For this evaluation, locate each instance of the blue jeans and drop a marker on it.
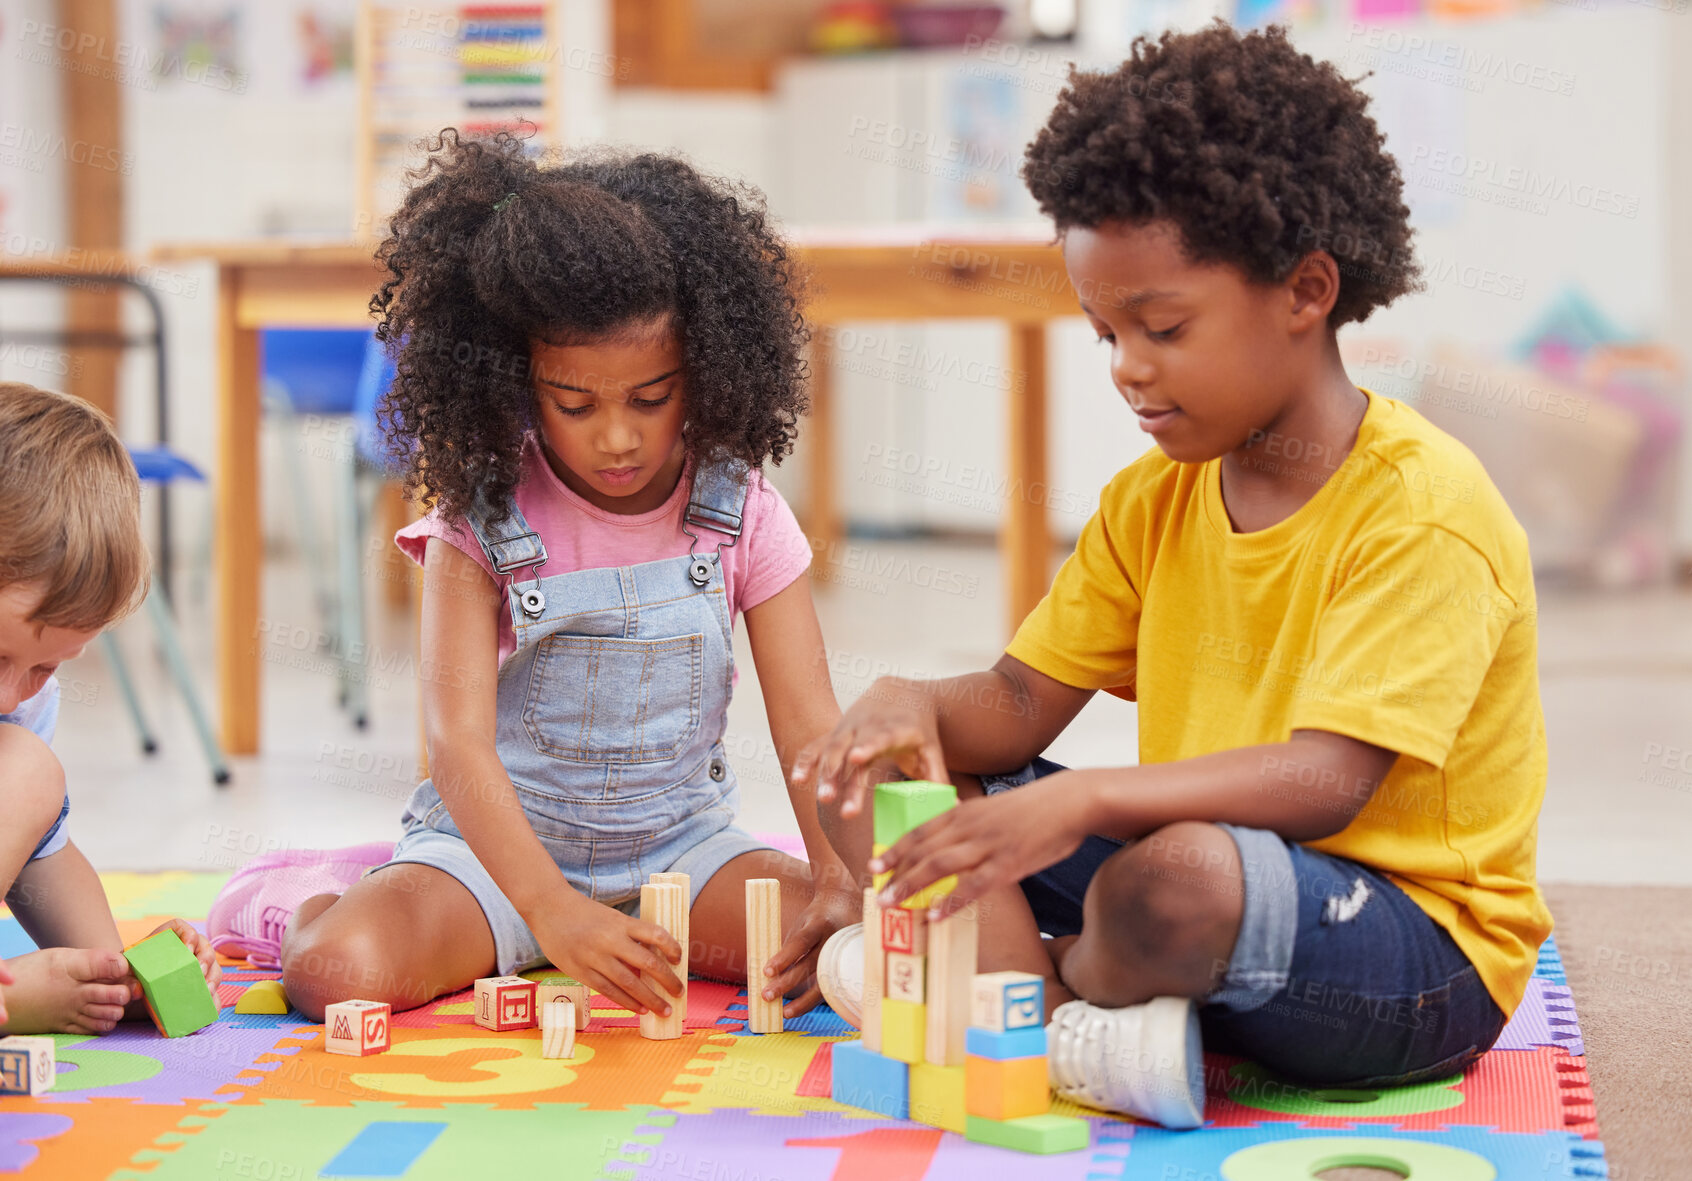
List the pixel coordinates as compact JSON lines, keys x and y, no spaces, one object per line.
{"x":1337,"y":977}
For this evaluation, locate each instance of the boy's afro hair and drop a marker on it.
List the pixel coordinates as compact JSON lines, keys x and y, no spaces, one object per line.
{"x":1258,"y":153}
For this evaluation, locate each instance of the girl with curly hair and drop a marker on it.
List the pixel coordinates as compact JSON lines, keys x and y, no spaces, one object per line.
{"x":1323,"y":857}
{"x":594,"y":361}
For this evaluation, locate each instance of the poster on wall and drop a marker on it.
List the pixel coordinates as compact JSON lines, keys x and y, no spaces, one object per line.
{"x":324,"y":35}
{"x":199,"y":46}
{"x":976,"y":174}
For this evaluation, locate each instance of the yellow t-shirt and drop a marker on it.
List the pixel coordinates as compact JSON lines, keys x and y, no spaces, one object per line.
{"x":1396,"y":606}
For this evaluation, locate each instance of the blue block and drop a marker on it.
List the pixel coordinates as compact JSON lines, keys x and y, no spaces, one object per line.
{"x":1013,"y":1043}
{"x":384,"y":1148}
{"x":874,"y":1082}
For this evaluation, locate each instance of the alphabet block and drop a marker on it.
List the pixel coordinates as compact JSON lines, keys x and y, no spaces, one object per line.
{"x":1006,"y":1088}
{"x":356,"y":1027}
{"x":1034,"y":1133}
{"x":1003,"y":1001}
{"x":905,"y":976}
{"x":902,"y":1030}
{"x":505,"y":1002}
{"x":27,"y":1064}
{"x":558,"y":1028}
{"x":763,"y":940}
{"x":665,"y":903}
{"x":938,"y":1096}
{"x":178,"y":998}
{"x":904,"y":930}
{"x":554,"y":986}
{"x":952,"y":945}
{"x":863,"y":1078}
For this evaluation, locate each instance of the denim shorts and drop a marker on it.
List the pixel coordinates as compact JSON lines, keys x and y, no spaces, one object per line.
{"x":515,"y":948}
{"x":1337,"y":977}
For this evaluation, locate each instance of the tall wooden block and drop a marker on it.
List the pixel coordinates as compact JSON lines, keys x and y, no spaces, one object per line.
{"x":1005,"y":1001}
{"x":356,"y":1027}
{"x":902,"y":1026}
{"x":558,"y":1028}
{"x":685,"y":935}
{"x":763,"y":940}
{"x":1007,"y":1088}
{"x":905,"y":976}
{"x":557,"y":986}
{"x":874,"y":968}
{"x":904,"y":930}
{"x":665,"y":903}
{"x":952,"y":947}
{"x":505,"y":1002}
{"x":27,"y":1064}
{"x":939,"y":1096}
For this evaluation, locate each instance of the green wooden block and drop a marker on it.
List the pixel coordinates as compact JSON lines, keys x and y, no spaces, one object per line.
{"x":1032,"y":1133}
{"x":178,"y":996}
{"x":900,"y":807}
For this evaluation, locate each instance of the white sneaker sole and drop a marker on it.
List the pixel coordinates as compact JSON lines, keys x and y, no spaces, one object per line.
{"x":835,"y":982}
{"x":1145,"y":1060}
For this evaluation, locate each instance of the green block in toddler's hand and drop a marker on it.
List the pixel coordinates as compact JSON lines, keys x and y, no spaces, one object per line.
{"x":902,"y":806}
{"x":178,"y":996}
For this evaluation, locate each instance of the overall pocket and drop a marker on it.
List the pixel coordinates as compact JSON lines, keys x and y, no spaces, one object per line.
{"x":601,"y":699}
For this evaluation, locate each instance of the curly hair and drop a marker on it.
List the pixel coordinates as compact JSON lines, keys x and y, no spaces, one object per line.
{"x":491,"y":250}
{"x":1259,"y":154}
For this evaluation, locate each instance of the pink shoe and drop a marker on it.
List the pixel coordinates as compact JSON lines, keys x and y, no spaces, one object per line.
{"x":254,"y":907}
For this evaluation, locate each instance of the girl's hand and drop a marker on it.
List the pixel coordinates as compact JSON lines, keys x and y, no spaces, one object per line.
{"x":892,"y":720}
{"x":624,"y":958}
{"x":199,"y":945}
{"x":795,"y":962}
{"x":991,"y":842}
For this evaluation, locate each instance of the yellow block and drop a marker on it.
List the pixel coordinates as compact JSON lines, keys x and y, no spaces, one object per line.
{"x":937,"y":1096}
{"x":1007,"y":1088}
{"x":923,"y":898}
{"x":904,"y":1028}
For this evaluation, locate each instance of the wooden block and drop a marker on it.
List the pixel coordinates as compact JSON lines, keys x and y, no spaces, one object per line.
{"x":923,"y":898}
{"x":902,"y":1025}
{"x":554,"y":986}
{"x":665,"y":903}
{"x":178,"y":998}
{"x":558,"y":1028}
{"x":1034,"y":1133}
{"x":862,"y":1078}
{"x":685,"y":935}
{"x":1006,"y":1088}
{"x":1004,"y":1001}
{"x":904,"y":976}
{"x":952,"y":946}
{"x":763,"y":940}
{"x":1015,"y":1043}
{"x":874,"y":971}
{"x":938,"y":1096}
{"x":902,"y":806}
{"x":27,"y":1064}
{"x":356,"y":1027}
{"x":505,"y":1002}
{"x":904,"y":930}
{"x":263,"y":996}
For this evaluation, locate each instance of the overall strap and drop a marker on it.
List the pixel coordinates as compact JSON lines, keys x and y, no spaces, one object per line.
{"x":716,"y":502}
{"x":511,"y":546}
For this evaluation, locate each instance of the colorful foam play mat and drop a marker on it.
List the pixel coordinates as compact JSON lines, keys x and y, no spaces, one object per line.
{"x":257,"y":1097}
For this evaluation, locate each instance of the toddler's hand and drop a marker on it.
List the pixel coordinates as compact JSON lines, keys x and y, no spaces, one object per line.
{"x":199,"y":945}
{"x":795,"y":962}
{"x":612,"y":953}
{"x":890,"y":721}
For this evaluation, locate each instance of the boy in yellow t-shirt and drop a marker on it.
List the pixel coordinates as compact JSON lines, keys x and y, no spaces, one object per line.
{"x":1325,"y":857}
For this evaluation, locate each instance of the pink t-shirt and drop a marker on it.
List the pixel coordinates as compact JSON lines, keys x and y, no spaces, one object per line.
{"x":771,"y":553}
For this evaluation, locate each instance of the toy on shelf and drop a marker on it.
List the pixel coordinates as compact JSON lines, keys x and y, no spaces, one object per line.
{"x":357,"y":1027}
{"x":178,"y":998}
{"x":263,"y":996}
{"x":951,"y":1048}
{"x":558,"y":1028}
{"x":27,"y":1065}
{"x":763,"y":940}
{"x":505,"y":1002}
{"x":665,"y":903}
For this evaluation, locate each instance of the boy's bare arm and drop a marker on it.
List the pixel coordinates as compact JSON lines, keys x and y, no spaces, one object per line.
{"x":59,"y":902}
{"x":980,"y":723}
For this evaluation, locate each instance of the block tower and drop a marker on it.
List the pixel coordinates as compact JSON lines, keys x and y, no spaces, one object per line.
{"x":942,"y":1045}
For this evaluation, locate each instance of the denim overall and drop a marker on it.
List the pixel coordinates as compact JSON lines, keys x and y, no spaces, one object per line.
{"x":611,"y":715}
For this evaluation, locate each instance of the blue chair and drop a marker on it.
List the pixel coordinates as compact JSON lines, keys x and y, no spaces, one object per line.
{"x":161,"y":466}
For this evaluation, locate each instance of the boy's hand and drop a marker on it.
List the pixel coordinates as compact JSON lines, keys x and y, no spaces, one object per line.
{"x":612,"y":953}
{"x":891,"y":720}
{"x":199,"y":945}
{"x":795,"y":962}
{"x":991,"y":842}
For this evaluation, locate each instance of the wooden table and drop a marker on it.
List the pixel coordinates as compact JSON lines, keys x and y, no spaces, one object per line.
{"x":1016,"y":277}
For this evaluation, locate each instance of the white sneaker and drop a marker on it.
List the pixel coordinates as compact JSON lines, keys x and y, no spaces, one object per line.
{"x":840,"y":974}
{"x":1145,"y":1060}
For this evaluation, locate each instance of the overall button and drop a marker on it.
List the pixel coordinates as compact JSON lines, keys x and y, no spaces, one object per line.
{"x":718,"y":770}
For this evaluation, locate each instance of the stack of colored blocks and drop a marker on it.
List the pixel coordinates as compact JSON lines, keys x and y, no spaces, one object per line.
{"x":958,"y":1051}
